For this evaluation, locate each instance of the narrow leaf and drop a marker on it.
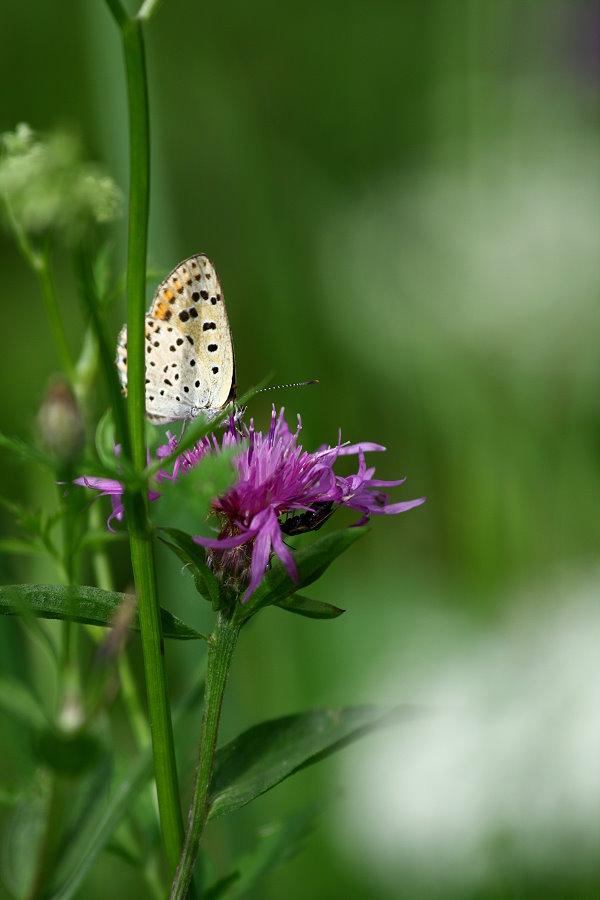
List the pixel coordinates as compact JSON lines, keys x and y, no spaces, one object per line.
{"x":67,"y":753}
{"x":18,"y":701}
{"x":25,"y":452}
{"x":266,"y":754}
{"x":278,"y":843}
{"x":97,"y":540}
{"x":86,"y":804}
{"x":23,"y":832}
{"x":193,"y":556}
{"x":311,"y":561}
{"x":196,"y":487}
{"x":87,"y":605}
{"x":105,"y":439}
{"x":312,"y":609}
{"x":79,"y":857}
{"x":220,"y":887}
{"x":199,"y":428}
{"x":18,"y":547}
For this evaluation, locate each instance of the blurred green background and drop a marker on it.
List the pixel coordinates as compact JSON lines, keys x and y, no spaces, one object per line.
{"x":401,"y":199}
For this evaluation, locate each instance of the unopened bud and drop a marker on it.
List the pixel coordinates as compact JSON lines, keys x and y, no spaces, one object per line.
{"x":60,"y":421}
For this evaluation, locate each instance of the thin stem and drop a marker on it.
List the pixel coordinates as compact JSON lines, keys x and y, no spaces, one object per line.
{"x":119,"y":12}
{"x":148,"y":9}
{"x":40,"y":265}
{"x":100,"y":561}
{"x":69,"y":641}
{"x":220,"y":653}
{"x":44,"y":275}
{"x":104,"y":579}
{"x":87,"y":289}
{"x":31,"y":257}
{"x":136,"y":500}
{"x":50,"y":839}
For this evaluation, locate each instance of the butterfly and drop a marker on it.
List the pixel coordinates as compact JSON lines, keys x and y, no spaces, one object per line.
{"x":190,"y":366}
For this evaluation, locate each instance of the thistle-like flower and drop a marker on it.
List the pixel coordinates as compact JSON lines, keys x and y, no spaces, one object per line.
{"x":279,"y":489}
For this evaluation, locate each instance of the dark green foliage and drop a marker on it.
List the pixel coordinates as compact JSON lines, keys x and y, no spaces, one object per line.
{"x":268,"y":753}
{"x":86,"y":605}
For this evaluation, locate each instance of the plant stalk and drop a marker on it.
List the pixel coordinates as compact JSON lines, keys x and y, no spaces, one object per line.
{"x":39,"y":262}
{"x":44,"y":275}
{"x":136,"y":500}
{"x":220,"y":652}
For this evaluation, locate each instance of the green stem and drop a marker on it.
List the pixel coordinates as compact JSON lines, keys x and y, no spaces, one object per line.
{"x":220,"y":653}
{"x":136,"y":501}
{"x":50,"y":840}
{"x":40,"y":264}
{"x":139,"y":202}
{"x":44,"y":275}
{"x":119,"y":12}
{"x":88,"y":291}
{"x":104,"y":579}
{"x":148,"y":9}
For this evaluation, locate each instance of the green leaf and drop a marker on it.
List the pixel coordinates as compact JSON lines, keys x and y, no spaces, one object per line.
{"x":312,"y":609}
{"x":67,"y":753}
{"x":22,"y":838}
{"x":111,"y":465}
{"x":80,"y":855}
{"x":199,"y":485}
{"x":220,"y":887}
{"x":25,"y":452}
{"x":18,"y":547}
{"x":266,"y":754}
{"x":18,"y":701}
{"x":311,"y":561}
{"x":79,"y":803}
{"x":278,"y":843}
{"x":194,"y":557}
{"x":199,"y":428}
{"x":97,"y":540}
{"x":105,"y":439}
{"x":87,"y":605}
{"x":37,"y":523}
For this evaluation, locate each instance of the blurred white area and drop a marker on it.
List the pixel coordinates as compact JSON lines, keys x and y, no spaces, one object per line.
{"x":493,"y":253}
{"x":505,"y":770}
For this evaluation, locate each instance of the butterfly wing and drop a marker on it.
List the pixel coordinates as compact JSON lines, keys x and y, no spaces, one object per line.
{"x":190,"y":367}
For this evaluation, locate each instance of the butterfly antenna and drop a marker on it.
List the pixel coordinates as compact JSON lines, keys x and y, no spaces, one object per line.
{"x":277,"y":387}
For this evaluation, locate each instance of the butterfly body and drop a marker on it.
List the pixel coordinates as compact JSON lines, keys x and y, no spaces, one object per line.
{"x":190,"y":366}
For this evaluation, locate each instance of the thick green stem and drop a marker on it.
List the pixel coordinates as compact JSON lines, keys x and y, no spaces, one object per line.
{"x":220,"y":653}
{"x":139,"y":202}
{"x":136,"y":501}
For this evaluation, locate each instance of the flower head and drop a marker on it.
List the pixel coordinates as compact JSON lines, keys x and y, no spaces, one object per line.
{"x":277,"y":483}
{"x":48,"y":185}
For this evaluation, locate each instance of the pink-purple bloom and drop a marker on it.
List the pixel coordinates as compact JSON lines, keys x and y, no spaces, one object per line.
{"x":276,"y":479}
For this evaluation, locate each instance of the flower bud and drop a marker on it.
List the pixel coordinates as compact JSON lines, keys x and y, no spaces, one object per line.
{"x":60,"y":421}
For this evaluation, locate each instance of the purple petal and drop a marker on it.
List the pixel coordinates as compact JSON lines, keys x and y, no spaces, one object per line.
{"x":364,"y":446}
{"x":394,"y":508}
{"x":117,"y":513}
{"x":225,"y":543}
{"x":362,"y":521}
{"x":282,"y":551}
{"x":108,"y":485}
{"x":375,"y":483}
{"x":260,"y":558}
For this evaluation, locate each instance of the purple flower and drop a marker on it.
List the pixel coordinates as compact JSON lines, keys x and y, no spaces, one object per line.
{"x":276,"y":480}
